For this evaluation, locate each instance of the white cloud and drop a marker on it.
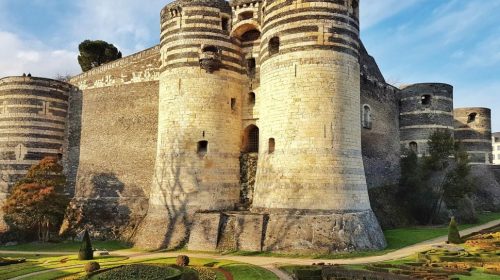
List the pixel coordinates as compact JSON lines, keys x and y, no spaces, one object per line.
{"x":375,"y":11}
{"x":21,"y":55}
{"x":126,"y":23}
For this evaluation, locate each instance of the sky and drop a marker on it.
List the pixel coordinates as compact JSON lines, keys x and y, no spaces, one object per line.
{"x":450,"y":41}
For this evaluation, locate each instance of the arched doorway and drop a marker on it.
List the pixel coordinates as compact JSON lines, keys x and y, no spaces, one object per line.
{"x":251,"y":139}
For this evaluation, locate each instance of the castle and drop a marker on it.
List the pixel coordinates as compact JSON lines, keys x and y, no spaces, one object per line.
{"x":253,"y":125}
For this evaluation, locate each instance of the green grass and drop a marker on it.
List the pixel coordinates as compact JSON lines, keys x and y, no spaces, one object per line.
{"x":238,"y":270}
{"x":66,"y":246}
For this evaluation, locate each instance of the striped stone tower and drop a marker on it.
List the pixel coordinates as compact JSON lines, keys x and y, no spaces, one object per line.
{"x":33,"y":117}
{"x":310,"y":177}
{"x":199,"y":133}
{"x":473,"y":129}
{"x":424,"y":109}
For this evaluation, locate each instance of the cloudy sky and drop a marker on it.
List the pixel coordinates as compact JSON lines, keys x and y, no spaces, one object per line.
{"x":450,"y":41}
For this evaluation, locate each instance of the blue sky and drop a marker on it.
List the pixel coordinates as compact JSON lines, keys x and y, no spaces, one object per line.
{"x":450,"y":41}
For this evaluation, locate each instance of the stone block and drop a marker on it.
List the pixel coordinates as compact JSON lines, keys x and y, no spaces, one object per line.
{"x":204,"y":232}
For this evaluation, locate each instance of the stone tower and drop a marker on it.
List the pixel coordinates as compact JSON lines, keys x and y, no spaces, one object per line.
{"x":424,"y":109}
{"x":197,"y":167}
{"x":310,"y":176}
{"x":33,"y":119}
{"x":473,"y":129}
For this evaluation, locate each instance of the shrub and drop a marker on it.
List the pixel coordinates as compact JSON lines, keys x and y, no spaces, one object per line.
{"x":182,"y":260}
{"x":453,"y":233}
{"x":140,"y":271}
{"x":86,"y":252}
{"x":92,"y":267}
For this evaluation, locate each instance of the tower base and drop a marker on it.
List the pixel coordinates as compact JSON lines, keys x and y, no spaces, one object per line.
{"x":323,"y":233}
{"x":287,"y":233}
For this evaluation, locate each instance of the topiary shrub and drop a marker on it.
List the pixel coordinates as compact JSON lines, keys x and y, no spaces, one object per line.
{"x":453,"y":233}
{"x":92,"y":267}
{"x":182,"y":260}
{"x":86,"y":252}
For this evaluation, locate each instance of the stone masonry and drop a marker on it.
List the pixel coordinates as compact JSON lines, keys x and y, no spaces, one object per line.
{"x":253,"y":125}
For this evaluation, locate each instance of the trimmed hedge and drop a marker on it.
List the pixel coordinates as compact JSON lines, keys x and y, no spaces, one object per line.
{"x":140,"y":271}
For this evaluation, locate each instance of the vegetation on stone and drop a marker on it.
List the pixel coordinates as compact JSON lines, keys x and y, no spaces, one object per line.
{"x":37,"y":202}
{"x":96,"y":53}
{"x":453,"y":233}
{"x":86,"y":252}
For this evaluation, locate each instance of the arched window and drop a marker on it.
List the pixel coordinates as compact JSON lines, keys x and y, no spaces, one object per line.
{"x":426,"y":100}
{"x":366,"y":118}
{"x":251,"y":98}
{"x":414,"y":147}
{"x":472,"y":117}
{"x":250,"y":35}
{"x":274,"y":45}
{"x":251,"y":140}
{"x":272,"y":145}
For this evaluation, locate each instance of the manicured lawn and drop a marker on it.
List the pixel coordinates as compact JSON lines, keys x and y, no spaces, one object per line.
{"x":66,"y":246}
{"x":403,"y":237}
{"x":66,"y":269}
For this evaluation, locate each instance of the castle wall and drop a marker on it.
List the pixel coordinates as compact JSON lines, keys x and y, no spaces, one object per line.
{"x":33,"y":115}
{"x":380,"y":135}
{"x":473,"y":129}
{"x":424,"y":109}
{"x":113,"y":144}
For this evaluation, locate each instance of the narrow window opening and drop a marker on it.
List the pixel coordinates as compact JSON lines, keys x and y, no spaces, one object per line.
{"x":472,"y":117}
{"x":251,"y":98}
{"x":225,"y":24}
{"x":245,"y":15}
{"x":272,"y":145}
{"x":367,"y":117}
{"x":414,"y":147}
{"x":426,"y":100}
{"x":251,"y":67}
{"x":203,"y":134}
{"x":210,"y":48}
{"x":202,"y":148}
{"x":233,"y":104}
{"x":274,"y":45}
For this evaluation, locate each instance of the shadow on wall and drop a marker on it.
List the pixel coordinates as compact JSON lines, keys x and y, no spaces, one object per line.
{"x":168,"y":215}
{"x":72,"y":160}
{"x":101,"y":208}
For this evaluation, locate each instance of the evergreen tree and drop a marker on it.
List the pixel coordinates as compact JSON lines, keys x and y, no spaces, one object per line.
{"x":96,"y":53}
{"x":86,"y":252}
{"x":453,"y":233}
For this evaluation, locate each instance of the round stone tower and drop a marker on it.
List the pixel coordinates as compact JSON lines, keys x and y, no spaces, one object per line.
{"x":33,"y":118}
{"x":424,"y":109}
{"x":199,"y":133}
{"x":310,"y":177}
{"x":473,"y":129}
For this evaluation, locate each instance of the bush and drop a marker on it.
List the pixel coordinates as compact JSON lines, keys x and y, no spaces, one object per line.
{"x":182,"y":260}
{"x":453,"y":233}
{"x":86,"y":252}
{"x":92,"y":267}
{"x":140,"y":271}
